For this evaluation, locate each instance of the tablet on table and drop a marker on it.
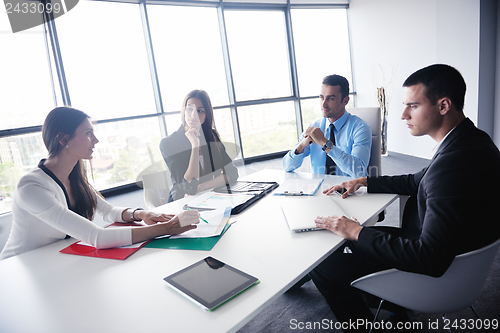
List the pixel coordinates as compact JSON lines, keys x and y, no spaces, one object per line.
{"x":210,"y":282}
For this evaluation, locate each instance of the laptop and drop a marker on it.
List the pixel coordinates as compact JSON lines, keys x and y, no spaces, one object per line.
{"x":300,"y":212}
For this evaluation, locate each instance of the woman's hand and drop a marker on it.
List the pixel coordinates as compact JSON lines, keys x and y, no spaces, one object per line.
{"x":340,"y":225}
{"x":193,"y":135}
{"x":164,"y":224}
{"x":182,"y":222}
{"x":152,"y":218}
{"x":351,"y":186}
{"x":187,"y":217}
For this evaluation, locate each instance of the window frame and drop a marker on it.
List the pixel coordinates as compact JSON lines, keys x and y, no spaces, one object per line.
{"x":62,"y":96}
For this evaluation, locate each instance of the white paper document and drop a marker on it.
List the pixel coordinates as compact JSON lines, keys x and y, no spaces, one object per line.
{"x":216,"y":219}
{"x":212,"y":200}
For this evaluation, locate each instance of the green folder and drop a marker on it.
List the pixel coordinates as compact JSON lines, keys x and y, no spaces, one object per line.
{"x":200,"y":244}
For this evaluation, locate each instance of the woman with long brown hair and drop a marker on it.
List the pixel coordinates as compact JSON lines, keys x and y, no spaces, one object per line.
{"x":55,"y":199}
{"x":194,"y":154}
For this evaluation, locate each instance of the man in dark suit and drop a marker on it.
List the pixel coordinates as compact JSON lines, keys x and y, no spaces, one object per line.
{"x":451,"y":208}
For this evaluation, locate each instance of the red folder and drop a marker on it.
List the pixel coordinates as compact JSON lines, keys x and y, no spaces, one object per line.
{"x":114,"y":253}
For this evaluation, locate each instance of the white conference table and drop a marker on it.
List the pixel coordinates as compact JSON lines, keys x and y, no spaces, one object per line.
{"x":47,"y":291}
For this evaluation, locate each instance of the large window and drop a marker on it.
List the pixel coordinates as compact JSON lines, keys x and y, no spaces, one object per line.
{"x":125,"y":149}
{"x":25,"y":99}
{"x":129,"y":67}
{"x":321,"y":47}
{"x":18,"y":155}
{"x":261,"y":70}
{"x":25,"y":87}
{"x":259,"y":54}
{"x":105,"y":60}
{"x":267,"y":128}
{"x":188,"y":53}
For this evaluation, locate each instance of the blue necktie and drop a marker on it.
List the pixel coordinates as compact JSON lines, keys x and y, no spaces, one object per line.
{"x":330,"y":164}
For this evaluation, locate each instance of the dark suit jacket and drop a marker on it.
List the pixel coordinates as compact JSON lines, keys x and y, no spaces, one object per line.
{"x":452,"y":208}
{"x":176,"y":151}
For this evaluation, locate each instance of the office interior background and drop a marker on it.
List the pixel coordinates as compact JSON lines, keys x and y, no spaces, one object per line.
{"x":129,"y":64}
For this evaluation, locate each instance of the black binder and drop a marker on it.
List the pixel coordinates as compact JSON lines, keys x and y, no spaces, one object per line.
{"x":258,"y":189}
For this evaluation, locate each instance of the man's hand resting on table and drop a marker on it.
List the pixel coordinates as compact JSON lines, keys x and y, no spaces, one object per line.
{"x":340,"y":225}
{"x":351,"y":186}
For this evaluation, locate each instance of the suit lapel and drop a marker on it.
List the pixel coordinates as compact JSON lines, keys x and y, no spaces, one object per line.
{"x":458,"y":131}
{"x":413,"y":230}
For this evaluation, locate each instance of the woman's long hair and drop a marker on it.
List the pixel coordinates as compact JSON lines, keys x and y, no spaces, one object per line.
{"x":64,"y":121}
{"x":208,"y":126}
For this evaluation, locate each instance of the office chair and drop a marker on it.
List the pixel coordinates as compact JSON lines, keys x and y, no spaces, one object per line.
{"x":156,"y":182}
{"x":372,"y":117}
{"x":457,"y":289}
{"x":156,"y":188}
{"x":5,"y":226}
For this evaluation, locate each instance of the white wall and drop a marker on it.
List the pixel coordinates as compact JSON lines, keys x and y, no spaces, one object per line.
{"x":413,"y":34}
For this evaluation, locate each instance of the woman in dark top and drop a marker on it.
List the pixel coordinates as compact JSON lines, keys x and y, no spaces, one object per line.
{"x":194,"y":154}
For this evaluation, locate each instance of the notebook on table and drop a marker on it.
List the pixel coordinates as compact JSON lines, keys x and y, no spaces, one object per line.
{"x":300,"y":212}
{"x":255,"y":191}
{"x":246,"y":186}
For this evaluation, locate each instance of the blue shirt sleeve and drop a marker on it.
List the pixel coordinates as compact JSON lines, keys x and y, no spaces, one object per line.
{"x":292,"y":161}
{"x":353,"y":159}
{"x":351,"y":152}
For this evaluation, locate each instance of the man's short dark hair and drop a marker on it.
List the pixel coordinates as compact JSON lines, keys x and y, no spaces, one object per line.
{"x":337,"y":80}
{"x":440,"y":81}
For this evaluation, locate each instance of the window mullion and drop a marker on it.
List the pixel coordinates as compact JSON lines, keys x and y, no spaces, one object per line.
{"x":293,"y":69}
{"x":152,"y":66}
{"x":58,"y":62}
{"x":229,"y":77}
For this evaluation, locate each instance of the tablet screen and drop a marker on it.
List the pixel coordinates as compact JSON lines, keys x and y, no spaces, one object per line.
{"x":210,"y":282}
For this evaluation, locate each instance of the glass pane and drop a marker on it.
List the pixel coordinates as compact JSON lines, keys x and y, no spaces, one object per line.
{"x":267,"y":128}
{"x":224,"y":124}
{"x":125,"y":149}
{"x":258,"y":52}
{"x":26,"y":92}
{"x":311,"y":111}
{"x":321,"y":47}
{"x":18,"y":155}
{"x":188,"y":53}
{"x":173,"y":122}
{"x":105,"y":60}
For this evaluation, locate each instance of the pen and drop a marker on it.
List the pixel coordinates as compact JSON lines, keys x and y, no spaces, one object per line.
{"x":201,"y":218}
{"x":200,"y":209}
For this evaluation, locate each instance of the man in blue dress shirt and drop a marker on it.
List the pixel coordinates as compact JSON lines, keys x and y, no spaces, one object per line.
{"x":347,"y":152}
